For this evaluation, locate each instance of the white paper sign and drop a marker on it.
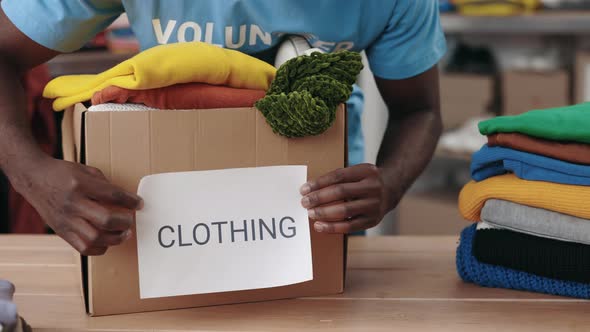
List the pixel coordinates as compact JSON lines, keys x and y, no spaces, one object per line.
{"x":226,"y":230}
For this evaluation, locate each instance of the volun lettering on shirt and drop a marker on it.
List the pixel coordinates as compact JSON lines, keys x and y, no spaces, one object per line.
{"x":234,"y":37}
{"x":248,"y":230}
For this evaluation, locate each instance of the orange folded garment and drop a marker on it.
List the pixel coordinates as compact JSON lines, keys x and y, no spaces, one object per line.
{"x":181,"y":96}
{"x":574,"y":152}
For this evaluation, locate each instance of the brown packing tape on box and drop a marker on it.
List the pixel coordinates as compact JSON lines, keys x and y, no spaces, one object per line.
{"x":126,"y":146}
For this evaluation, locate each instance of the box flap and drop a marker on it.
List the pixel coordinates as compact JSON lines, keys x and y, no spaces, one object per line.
{"x":71,"y":127}
{"x":67,"y":135}
{"x":77,"y":116}
{"x":149,"y":142}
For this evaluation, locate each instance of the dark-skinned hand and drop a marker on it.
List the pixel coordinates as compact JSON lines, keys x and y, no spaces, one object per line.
{"x":346,"y":200}
{"x":80,"y":204}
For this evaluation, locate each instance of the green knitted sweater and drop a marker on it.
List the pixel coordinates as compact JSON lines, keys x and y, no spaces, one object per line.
{"x":303,"y":98}
{"x":568,"y":123}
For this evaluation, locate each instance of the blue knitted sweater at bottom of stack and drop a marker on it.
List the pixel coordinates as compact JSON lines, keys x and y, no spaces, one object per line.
{"x":470,"y":270}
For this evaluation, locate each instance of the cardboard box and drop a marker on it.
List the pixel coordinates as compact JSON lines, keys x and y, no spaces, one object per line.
{"x":126,"y":146}
{"x":464,"y":96}
{"x":526,"y":90}
{"x":582,"y":77}
{"x":432,"y":213}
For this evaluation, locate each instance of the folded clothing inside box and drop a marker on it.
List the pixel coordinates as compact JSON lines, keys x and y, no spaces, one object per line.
{"x":300,"y":99}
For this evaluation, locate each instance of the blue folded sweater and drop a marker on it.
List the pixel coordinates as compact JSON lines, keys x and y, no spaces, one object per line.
{"x":492,"y":161}
{"x":470,"y":270}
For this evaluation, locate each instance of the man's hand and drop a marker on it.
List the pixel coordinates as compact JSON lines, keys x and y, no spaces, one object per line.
{"x":75,"y":200}
{"x":79,"y":204}
{"x":346,"y":200}
{"x":358,"y":197}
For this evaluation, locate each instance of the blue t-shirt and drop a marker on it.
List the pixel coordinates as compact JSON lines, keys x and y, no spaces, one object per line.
{"x":402,"y":38}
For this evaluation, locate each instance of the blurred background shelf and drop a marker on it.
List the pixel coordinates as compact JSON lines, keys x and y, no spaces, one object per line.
{"x":552,"y":22}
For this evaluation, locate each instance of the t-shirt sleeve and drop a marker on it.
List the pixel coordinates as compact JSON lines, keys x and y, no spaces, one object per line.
{"x":61,"y":25}
{"x":411,"y":43}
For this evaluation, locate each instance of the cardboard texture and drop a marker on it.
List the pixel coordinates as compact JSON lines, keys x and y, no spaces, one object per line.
{"x":525,"y":90}
{"x":433,"y":213}
{"x":582,"y":77}
{"x":463,"y":97}
{"x":126,"y":146}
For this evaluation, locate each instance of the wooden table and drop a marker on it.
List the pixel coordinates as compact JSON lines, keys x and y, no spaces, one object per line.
{"x":393,"y":283}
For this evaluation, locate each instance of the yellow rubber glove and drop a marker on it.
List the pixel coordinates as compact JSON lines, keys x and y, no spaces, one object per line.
{"x":166,"y":65}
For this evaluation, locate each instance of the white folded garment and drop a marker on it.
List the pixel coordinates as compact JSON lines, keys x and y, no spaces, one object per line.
{"x":112,"y":107}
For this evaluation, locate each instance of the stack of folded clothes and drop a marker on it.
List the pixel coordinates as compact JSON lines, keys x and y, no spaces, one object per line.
{"x":177,"y":69}
{"x":298,"y":99}
{"x":529,"y":195}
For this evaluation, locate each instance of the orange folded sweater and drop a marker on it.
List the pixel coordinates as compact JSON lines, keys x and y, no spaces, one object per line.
{"x":181,"y":96}
{"x":567,"y":199}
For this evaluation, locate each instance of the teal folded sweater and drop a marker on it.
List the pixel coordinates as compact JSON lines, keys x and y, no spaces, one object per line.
{"x":568,"y":123}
